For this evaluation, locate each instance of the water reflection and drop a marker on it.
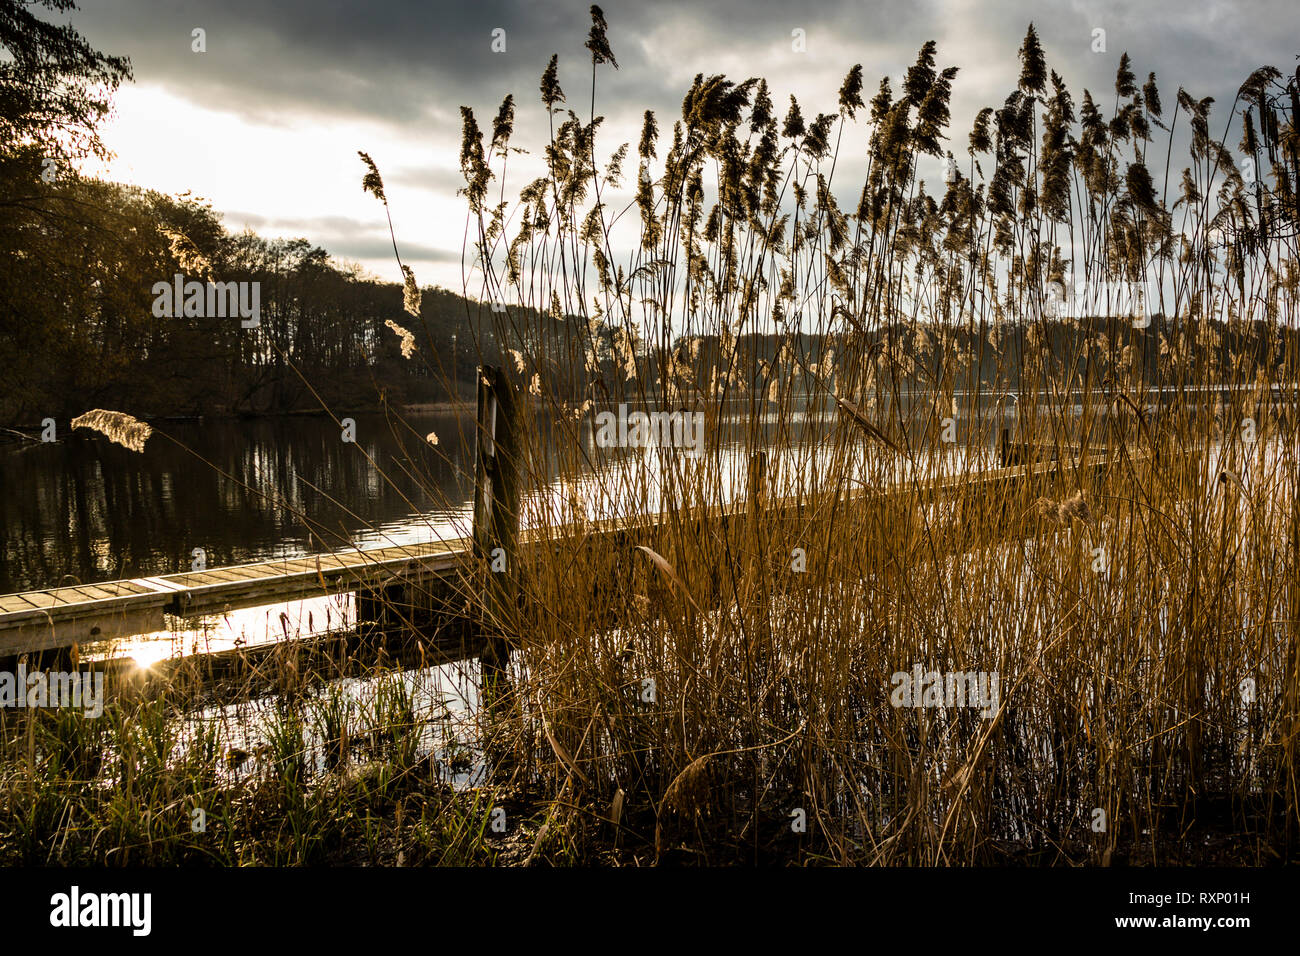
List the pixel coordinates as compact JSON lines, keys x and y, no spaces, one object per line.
{"x":85,"y":510}
{"x":82,"y":509}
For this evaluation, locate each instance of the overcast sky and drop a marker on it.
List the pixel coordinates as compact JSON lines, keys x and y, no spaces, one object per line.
{"x":267,"y":122}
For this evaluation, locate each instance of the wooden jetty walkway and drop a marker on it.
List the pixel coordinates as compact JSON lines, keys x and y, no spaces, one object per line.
{"x":61,"y":617}
{"x":58,"y":618}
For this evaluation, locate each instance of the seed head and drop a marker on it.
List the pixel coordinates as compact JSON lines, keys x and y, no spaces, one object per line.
{"x":116,"y":426}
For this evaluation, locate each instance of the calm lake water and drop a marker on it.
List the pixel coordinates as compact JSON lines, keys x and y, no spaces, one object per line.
{"x":83,"y":509}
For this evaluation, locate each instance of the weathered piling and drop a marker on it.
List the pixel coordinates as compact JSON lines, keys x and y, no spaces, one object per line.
{"x":496,"y":512}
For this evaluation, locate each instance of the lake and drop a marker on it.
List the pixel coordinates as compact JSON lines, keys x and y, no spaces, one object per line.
{"x":83,"y":509}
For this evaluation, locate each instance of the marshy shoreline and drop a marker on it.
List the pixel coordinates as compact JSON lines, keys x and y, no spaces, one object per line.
{"x":1079,"y":533}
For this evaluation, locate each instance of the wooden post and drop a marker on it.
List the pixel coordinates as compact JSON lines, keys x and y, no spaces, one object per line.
{"x":496,"y":510}
{"x":1006,"y":452}
{"x":757,"y":479}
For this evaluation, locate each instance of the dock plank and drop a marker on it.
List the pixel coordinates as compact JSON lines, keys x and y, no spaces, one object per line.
{"x":42,"y":599}
{"x":14,"y":602}
{"x":297,"y":566}
{"x":200,"y":579}
{"x":126,"y":588}
{"x":93,"y":592}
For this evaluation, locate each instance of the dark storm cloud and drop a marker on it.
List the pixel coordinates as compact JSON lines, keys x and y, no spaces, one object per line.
{"x":408,"y":62}
{"x":409,"y":65}
{"x":380,"y":247}
{"x":344,"y":237}
{"x":1207,"y":47}
{"x":438,"y":179}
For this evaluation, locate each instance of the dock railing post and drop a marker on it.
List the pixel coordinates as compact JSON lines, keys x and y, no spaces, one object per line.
{"x":496,"y":511}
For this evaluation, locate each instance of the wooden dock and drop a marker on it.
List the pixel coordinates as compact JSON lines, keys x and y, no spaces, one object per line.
{"x":60,"y":617}
{"x":448,"y":578}
{"x":57,"y":618}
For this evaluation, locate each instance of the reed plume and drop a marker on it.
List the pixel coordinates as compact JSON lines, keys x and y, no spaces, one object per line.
{"x":407,"y":339}
{"x":116,"y":426}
